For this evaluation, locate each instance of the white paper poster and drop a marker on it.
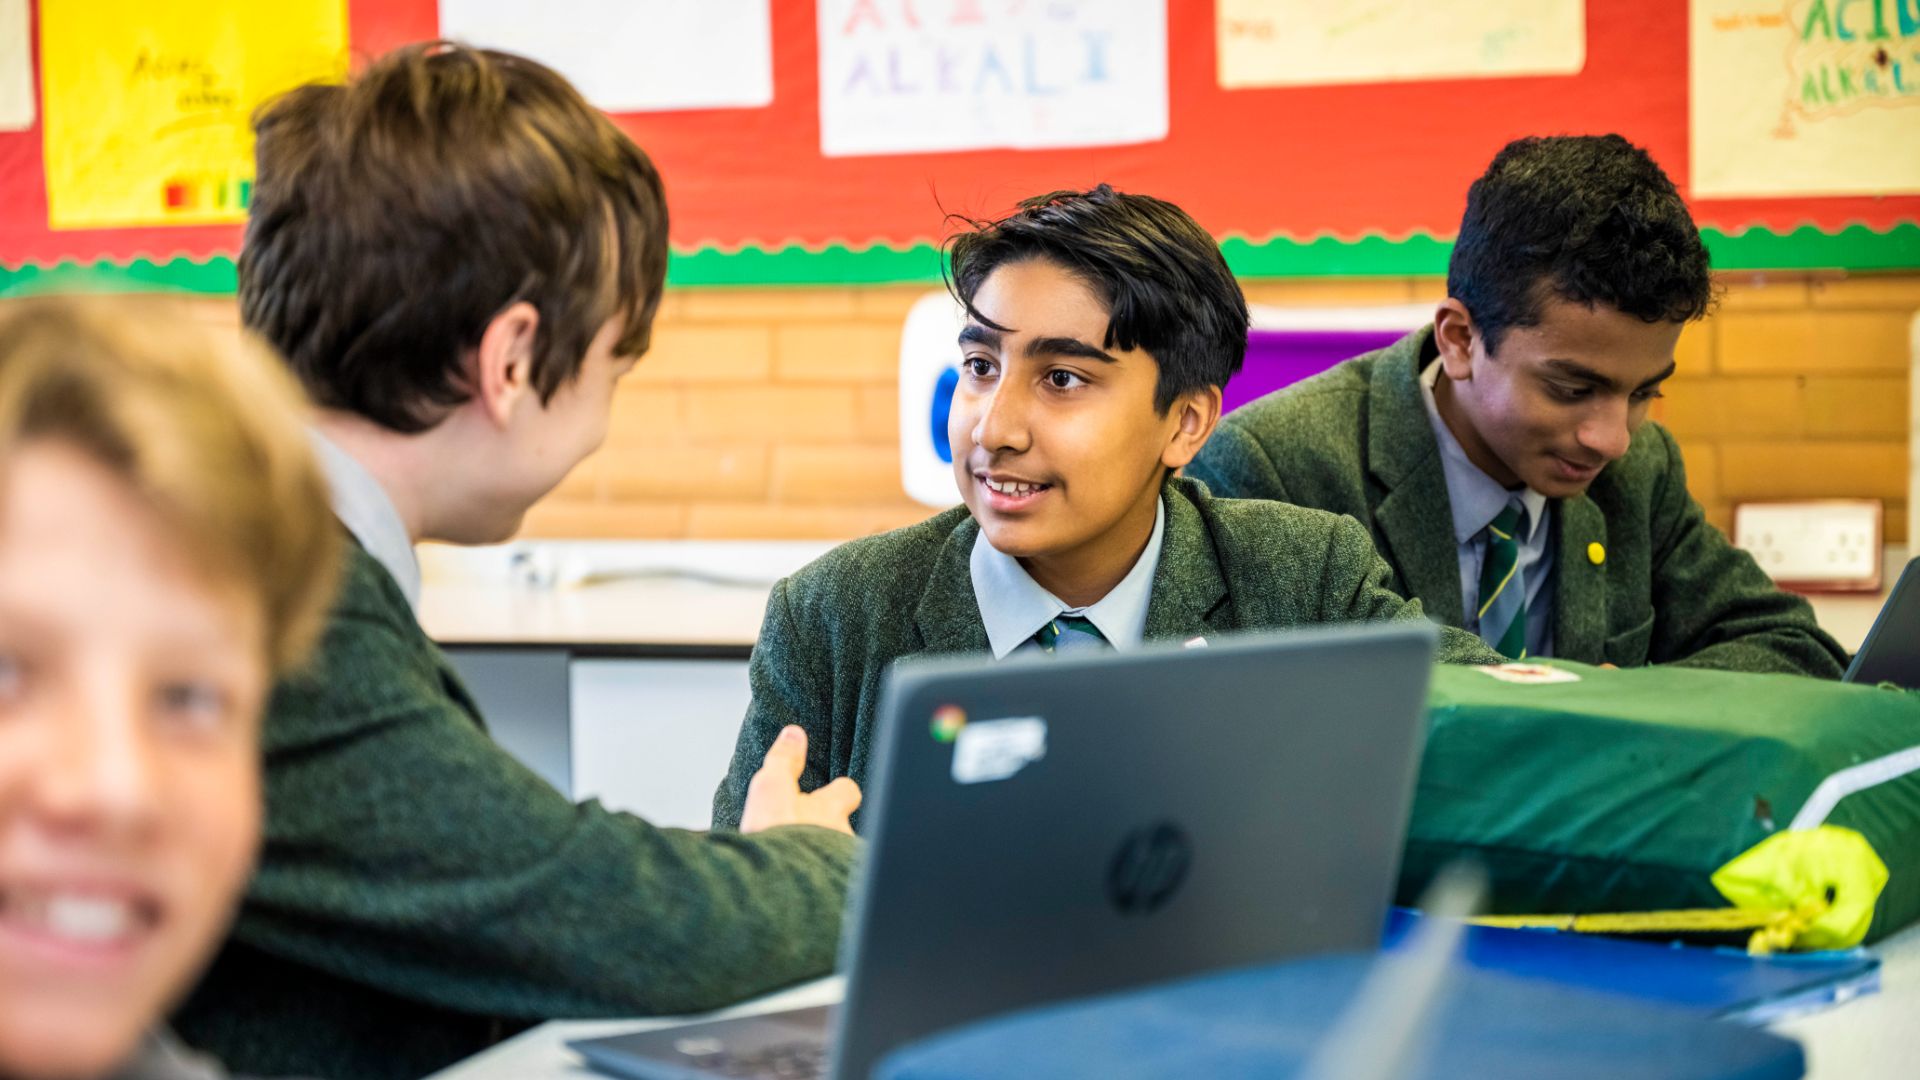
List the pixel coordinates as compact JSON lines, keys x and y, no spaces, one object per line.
{"x":1805,"y":97}
{"x":1311,"y":42}
{"x":633,"y":55}
{"x":919,"y":76}
{"x":16,"y":67}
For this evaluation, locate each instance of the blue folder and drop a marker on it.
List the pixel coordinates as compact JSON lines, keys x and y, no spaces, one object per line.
{"x":1720,"y":982}
{"x":1263,"y":1023}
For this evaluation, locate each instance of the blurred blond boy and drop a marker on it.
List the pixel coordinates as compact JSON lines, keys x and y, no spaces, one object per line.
{"x":166,"y":552}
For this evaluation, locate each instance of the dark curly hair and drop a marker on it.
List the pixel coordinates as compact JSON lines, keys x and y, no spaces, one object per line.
{"x":1166,"y":286}
{"x":1587,"y":218}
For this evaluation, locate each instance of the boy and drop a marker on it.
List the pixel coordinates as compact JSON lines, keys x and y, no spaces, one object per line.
{"x":460,"y":257}
{"x":1501,"y":457}
{"x":1100,"y":329}
{"x":164,"y":553}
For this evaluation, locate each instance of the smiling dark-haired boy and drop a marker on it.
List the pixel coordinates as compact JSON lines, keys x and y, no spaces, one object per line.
{"x":1501,"y":456}
{"x":1101,"y":327}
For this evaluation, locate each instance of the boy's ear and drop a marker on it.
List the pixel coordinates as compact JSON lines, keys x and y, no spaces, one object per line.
{"x":1198,"y":412}
{"x":503,"y":362}
{"x":1453,"y":335}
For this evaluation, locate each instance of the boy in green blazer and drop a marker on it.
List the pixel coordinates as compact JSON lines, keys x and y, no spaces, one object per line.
{"x":1501,"y":457}
{"x":1100,"y":328}
{"x":459,"y":258}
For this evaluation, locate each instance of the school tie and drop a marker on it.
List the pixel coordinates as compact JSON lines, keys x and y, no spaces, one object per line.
{"x":1070,"y":633}
{"x":1503,"y":589}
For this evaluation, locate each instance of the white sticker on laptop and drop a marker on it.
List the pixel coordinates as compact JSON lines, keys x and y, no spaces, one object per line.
{"x":988,"y":750}
{"x":1529,"y":673}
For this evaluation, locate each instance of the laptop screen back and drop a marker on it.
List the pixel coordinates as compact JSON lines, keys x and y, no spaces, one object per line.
{"x":1051,"y":828}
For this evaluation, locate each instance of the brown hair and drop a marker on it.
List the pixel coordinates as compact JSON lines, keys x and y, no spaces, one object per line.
{"x":395,"y":216}
{"x":208,"y":431}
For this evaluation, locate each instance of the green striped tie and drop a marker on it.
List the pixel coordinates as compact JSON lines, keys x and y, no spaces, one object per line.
{"x":1503,"y":589}
{"x":1049,"y":635}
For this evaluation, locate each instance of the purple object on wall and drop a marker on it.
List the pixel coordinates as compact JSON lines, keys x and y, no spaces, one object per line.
{"x":1277,"y":358}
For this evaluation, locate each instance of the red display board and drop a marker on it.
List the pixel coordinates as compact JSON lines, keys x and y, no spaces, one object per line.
{"x":1340,"y":179}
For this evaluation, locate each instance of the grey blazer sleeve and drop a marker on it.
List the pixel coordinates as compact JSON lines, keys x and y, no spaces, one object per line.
{"x":1714,"y":607}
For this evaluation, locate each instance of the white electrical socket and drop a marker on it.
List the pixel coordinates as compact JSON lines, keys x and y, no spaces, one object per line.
{"x":1829,"y":544}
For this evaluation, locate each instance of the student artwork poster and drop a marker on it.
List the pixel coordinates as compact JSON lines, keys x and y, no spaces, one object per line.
{"x":901,"y":77}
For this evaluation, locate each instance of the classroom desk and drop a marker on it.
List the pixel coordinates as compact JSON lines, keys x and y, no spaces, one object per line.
{"x":628,"y":687}
{"x":655,"y":625}
{"x":631,"y":690}
{"x":680,"y":598}
{"x":1870,"y":1038}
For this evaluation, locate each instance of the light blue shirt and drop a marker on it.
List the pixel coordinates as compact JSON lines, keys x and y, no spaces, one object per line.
{"x":1014,"y":607}
{"x":1477,"y":499}
{"x":364,"y":507}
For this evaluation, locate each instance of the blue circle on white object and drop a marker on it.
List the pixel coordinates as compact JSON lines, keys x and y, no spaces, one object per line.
{"x":942,"y":405}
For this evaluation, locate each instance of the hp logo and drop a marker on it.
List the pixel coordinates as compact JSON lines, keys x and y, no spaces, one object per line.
{"x":1149,"y":868}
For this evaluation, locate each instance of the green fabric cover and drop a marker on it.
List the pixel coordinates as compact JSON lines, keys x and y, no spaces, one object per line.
{"x":1626,"y":790}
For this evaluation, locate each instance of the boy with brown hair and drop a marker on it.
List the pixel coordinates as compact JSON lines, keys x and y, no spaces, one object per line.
{"x":460,"y":258}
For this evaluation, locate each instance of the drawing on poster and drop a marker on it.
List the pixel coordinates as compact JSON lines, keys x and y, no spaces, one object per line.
{"x":1805,"y":97}
{"x":1312,"y":43}
{"x":148,"y":106}
{"x":920,"y":76}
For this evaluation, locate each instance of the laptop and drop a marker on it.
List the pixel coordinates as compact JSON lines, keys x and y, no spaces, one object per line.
{"x":1891,"y":653}
{"x":1050,"y":827}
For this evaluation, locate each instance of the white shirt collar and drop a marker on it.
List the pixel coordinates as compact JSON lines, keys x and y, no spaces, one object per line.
{"x":1014,"y":606}
{"x":1475,"y":497}
{"x":364,"y":507}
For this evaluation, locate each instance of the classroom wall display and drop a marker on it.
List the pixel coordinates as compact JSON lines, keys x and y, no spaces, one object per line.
{"x":1812,"y":97}
{"x":634,"y":55}
{"x":1311,"y":43}
{"x":16,"y":67}
{"x":913,"y":76}
{"x":1312,"y":180}
{"x":148,"y":105}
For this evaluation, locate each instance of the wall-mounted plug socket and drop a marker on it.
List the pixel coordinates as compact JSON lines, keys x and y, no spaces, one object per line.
{"x":1829,"y":545}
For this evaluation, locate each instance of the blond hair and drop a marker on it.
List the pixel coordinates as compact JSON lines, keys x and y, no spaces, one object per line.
{"x":209,"y":431}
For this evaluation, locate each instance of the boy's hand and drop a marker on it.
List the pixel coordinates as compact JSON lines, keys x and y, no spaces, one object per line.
{"x":774,"y":797}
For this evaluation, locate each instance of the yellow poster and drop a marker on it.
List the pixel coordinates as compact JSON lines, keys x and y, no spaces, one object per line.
{"x":1311,"y":42}
{"x":147,"y":105}
{"x":1805,"y":97}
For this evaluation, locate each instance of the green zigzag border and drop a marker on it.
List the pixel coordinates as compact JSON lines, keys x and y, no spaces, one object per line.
{"x":1853,"y":248}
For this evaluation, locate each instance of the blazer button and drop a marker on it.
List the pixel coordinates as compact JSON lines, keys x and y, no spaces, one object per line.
{"x":1596,"y":554}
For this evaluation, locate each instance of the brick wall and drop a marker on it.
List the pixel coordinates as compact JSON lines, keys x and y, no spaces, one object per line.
{"x":771,"y":412}
{"x":1797,"y":387}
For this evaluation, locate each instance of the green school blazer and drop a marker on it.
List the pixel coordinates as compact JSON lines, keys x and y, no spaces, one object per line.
{"x":832,"y":629}
{"x":421,"y":894}
{"x":1667,"y":587}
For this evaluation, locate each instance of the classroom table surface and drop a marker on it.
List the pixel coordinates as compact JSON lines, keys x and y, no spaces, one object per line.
{"x":566,"y":592}
{"x":714,"y":593}
{"x":1874,"y":1037}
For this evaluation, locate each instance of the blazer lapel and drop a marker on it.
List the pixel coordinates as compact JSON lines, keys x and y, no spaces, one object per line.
{"x":1580,"y":586}
{"x":1415,"y":517}
{"x":948,"y":615}
{"x":1188,"y":587}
